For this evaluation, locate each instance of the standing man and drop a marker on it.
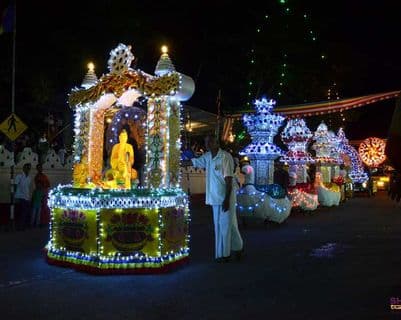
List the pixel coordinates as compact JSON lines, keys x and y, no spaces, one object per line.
{"x":23,"y":184}
{"x":42,"y":186}
{"x":43,"y":148}
{"x":221,"y":195}
{"x":281,"y":176}
{"x":61,"y":153}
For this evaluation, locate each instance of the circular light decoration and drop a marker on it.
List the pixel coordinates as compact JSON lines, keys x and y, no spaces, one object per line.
{"x":371,"y":151}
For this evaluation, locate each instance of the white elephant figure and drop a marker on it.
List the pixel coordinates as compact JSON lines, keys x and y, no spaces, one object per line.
{"x":326,"y":196}
{"x":254,"y":203}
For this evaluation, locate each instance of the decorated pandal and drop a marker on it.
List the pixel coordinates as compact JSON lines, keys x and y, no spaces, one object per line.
{"x":351,"y":157}
{"x":296,"y":135}
{"x":259,"y":197}
{"x":323,"y":186}
{"x":327,"y":166}
{"x":125,"y":211}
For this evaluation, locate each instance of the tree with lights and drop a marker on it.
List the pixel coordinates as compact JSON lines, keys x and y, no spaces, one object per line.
{"x":285,"y":60}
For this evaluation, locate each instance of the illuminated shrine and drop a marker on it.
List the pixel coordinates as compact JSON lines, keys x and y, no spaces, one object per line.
{"x":125,"y":211}
{"x":325,"y":145}
{"x":262,"y":126}
{"x":335,"y":153}
{"x":296,"y":135}
{"x":326,"y":159}
{"x":352,"y":158}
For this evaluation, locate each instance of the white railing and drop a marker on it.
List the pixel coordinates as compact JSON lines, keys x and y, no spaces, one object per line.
{"x":52,"y":160}
{"x":193,"y":180}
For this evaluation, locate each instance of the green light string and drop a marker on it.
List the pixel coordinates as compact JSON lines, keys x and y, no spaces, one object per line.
{"x":337,"y":119}
{"x":262,"y":67}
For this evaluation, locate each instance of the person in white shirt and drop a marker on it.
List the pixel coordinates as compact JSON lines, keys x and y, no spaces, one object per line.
{"x":221,"y":195}
{"x":61,"y":154}
{"x":22,"y":196}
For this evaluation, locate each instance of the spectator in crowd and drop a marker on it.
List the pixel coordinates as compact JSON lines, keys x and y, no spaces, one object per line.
{"x":61,"y":154}
{"x":43,"y":148}
{"x":23,"y":187}
{"x":281,"y":176}
{"x":42,"y":186}
{"x":311,"y":174}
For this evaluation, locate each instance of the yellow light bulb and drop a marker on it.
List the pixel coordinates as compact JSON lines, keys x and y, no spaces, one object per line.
{"x":91,"y":66}
{"x":164,"y":49}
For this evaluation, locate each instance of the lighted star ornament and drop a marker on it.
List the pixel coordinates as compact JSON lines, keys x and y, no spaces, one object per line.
{"x":371,"y":151}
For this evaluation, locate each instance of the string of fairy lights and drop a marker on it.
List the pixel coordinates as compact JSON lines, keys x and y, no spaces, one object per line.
{"x":280,"y":77}
{"x":333,"y":94}
{"x":101,"y":223}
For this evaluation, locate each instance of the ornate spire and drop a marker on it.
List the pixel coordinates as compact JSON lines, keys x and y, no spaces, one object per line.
{"x":296,"y":135}
{"x":325,"y":143}
{"x":263,"y":126}
{"x":90,"y":78}
{"x":164,"y":65}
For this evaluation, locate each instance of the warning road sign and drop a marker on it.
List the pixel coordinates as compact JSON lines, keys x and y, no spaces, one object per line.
{"x":12,"y":127}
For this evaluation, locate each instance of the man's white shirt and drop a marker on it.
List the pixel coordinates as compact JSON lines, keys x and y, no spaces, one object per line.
{"x":222,"y":165}
{"x":23,"y":186}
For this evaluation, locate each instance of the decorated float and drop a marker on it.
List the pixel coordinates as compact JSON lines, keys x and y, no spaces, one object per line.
{"x":125,"y":211}
{"x":352,"y":158}
{"x":324,"y":144}
{"x":262,"y":126}
{"x":326,"y":160}
{"x":259,"y":197}
{"x":296,"y":135}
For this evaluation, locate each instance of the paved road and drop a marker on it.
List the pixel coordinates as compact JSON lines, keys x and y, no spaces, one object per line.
{"x":339,"y":263}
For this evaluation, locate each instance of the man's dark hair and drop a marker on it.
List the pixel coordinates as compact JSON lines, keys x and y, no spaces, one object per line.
{"x":213,"y":137}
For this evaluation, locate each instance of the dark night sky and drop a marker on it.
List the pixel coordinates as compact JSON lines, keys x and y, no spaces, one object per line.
{"x":208,"y":40}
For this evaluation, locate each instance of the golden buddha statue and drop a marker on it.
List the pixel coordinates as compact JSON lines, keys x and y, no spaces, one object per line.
{"x":121,"y":161}
{"x":80,"y":175}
